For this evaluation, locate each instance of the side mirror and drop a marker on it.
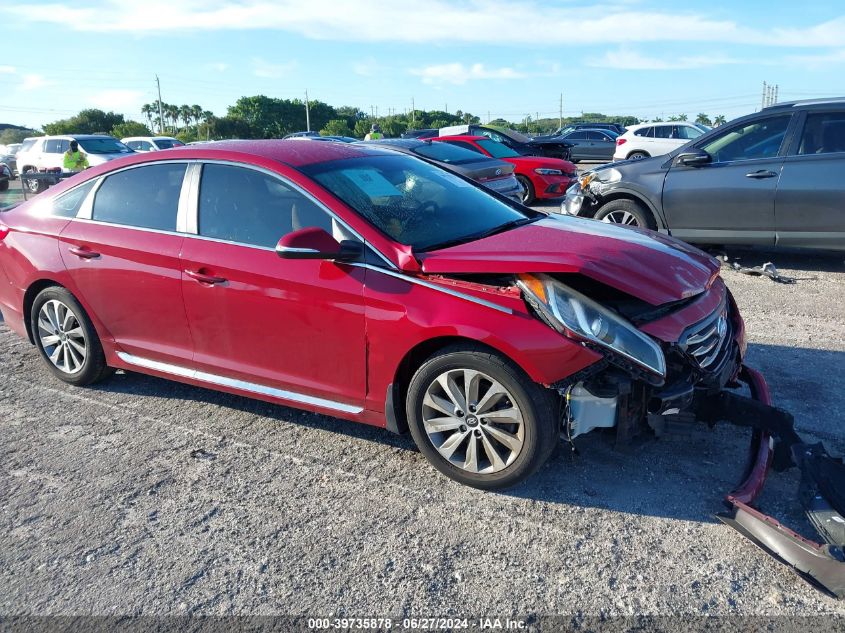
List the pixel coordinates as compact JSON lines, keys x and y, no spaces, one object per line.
{"x":315,"y":243}
{"x":693,"y":158}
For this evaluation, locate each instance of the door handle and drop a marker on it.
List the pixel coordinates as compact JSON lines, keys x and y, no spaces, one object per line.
{"x":203,"y":278}
{"x":83,"y":252}
{"x":763,"y":173}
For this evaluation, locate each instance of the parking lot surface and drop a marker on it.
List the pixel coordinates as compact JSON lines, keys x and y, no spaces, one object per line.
{"x":143,"y":496}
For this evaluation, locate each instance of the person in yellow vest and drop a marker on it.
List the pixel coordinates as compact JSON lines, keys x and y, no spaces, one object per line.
{"x":374,"y":133}
{"x":74,"y":159}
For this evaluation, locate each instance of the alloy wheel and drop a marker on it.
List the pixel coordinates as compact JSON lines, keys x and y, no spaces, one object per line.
{"x":473,"y":421}
{"x":62,"y":337}
{"x":621,"y":217}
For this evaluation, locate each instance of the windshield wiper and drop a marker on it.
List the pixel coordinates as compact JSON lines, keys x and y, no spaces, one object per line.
{"x":507,"y":226}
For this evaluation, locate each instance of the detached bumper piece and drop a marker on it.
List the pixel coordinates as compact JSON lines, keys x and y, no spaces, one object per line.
{"x":775,"y":443}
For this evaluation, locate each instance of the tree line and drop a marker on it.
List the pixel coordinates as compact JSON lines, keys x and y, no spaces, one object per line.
{"x":269,"y":117}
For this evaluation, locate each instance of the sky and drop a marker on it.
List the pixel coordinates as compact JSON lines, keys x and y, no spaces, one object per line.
{"x":493,"y":58}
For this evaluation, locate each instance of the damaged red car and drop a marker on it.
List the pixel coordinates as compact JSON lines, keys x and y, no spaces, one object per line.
{"x":370,"y":285}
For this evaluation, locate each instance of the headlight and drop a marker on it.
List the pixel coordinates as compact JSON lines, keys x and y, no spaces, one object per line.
{"x":581,"y":318}
{"x":548,"y":172}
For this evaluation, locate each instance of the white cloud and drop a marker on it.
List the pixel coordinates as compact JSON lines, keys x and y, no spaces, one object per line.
{"x":263,"y":68}
{"x":32,"y":82}
{"x":627,"y":59}
{"x":457,"y":73}
{"x":492,"y":21}
{"x":120,"y":100}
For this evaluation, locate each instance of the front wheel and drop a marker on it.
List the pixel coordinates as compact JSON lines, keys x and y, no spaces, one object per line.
{"x":626,"y":212}
{"x":33,"y":185}
{"x":479,"y":419}
{"x":66,"y":338}
{"x":528,"y":195}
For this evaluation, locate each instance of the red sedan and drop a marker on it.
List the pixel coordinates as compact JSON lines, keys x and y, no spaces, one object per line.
{"x":370,"y":285}
{"x":541,"y":178}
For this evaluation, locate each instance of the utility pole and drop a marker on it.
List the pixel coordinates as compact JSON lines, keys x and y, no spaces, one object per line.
{"x":763,"y":105}
{"x":307,"y":114}
{"x":488,"y":116}
{"x":160,"y":111}
{"x":413,"y":113}
{"x":776,"y":93}
{"x":560,"y":115}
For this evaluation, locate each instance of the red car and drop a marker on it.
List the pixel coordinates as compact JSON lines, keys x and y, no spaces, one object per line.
{"x":541,"y":178}
{"x":371,"y":285}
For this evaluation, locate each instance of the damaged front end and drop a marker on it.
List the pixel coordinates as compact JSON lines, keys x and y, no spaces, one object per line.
{"x":661,"y":374}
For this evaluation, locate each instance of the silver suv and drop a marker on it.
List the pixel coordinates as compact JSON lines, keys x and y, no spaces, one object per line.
{"x":46,"y":153}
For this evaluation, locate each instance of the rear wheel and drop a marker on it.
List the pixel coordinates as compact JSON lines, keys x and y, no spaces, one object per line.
{"x":528,"y":194}
{"x":66,"y":338}
{"x":479,"y":419}
{"x":637,"y":155}
{"x":626,"y":212}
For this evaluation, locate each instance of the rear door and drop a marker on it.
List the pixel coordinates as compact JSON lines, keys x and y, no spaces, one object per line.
{"x":122,"y":252}
{"x":53,"y":154}
{"x":601,"y":145}
{"x":732,"y":199}
{"x":810,"y":200}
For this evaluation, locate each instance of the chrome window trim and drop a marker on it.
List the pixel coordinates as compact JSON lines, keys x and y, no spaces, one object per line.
{"x":129,"y":227}
{"x":433,"y":286}
{"x":288,"y":183}
{"x":233,"y":383}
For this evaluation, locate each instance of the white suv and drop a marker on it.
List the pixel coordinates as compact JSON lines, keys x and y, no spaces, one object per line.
{"x":46,"y":153}
{"x":654,"y":139}
{"x":151,"y":143}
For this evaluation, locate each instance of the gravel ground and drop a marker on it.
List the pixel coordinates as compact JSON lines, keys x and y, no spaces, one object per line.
{"x":143,"y":496}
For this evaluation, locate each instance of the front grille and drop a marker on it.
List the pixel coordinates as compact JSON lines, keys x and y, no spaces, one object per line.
{"x":707,"y":342}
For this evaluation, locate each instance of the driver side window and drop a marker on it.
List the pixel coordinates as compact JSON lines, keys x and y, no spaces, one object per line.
{"x":245,"y":206}
{"x":758,"y":139}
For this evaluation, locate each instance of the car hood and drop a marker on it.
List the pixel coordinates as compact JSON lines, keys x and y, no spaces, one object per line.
{"x":537,"y":162}
{"x":647,"y":265}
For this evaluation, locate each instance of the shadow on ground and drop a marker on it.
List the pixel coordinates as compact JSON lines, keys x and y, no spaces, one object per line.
{"x":679,"y":477}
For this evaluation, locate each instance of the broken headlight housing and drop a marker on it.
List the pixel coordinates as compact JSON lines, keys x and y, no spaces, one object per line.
{"x":581,"y":318}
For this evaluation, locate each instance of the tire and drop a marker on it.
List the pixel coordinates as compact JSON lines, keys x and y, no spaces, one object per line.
{"x":66,"y":339}
{"x":627,"y":213}
{"x":506,"y":453}
{"x":638,"y":155}
{"x":528,"y":194}
{"x":33,"y":186}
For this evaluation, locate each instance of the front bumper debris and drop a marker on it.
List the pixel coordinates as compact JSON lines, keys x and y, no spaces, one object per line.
{"x":775,"y":443}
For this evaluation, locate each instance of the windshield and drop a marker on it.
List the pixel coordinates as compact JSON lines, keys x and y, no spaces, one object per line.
{"x":497,"y":150}
{"x":167,"y":143}
{"x":415,"y":203}
{"x":446,"y":153}
{"x":103,"y":145}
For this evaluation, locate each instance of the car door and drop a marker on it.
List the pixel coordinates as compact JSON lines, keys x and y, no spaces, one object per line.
{"x":810,"y":200}
{"x":730,"y":200}
{"x":578,"y":139}
{"x":601,"y":145}
{"x":272,"y":324}
{"x":122,"y":253}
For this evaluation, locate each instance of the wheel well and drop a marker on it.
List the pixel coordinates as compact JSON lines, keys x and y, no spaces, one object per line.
{"x":29,"y":299}
{"x":412,"y":361}
{"x":638,"y":151}
{"x":636,"y":200}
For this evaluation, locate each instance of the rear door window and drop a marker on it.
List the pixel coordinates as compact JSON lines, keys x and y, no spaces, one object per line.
{"x":824,"y":133}
{"x":67,"y":204}
{"x":144,"y":197}
{"x":663,"y":131}
{"x":53,"y":146}
{"x":645,"y":131}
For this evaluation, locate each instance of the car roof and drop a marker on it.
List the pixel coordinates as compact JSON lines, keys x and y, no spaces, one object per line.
{"x":462,"y":137}
{"x":807,"y":103}
{"x":78,"y":137}
{"x":290,"y":152}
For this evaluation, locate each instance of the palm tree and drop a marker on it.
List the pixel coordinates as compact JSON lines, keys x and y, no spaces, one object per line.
{"x":703,"y":119}
{"x":719,"y":120}
{"x":147,"y":110}
{"x":208,"y":118}
{"x":172,"y":112}
{"x":196,"y":113}
{"x":185,"y":113}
